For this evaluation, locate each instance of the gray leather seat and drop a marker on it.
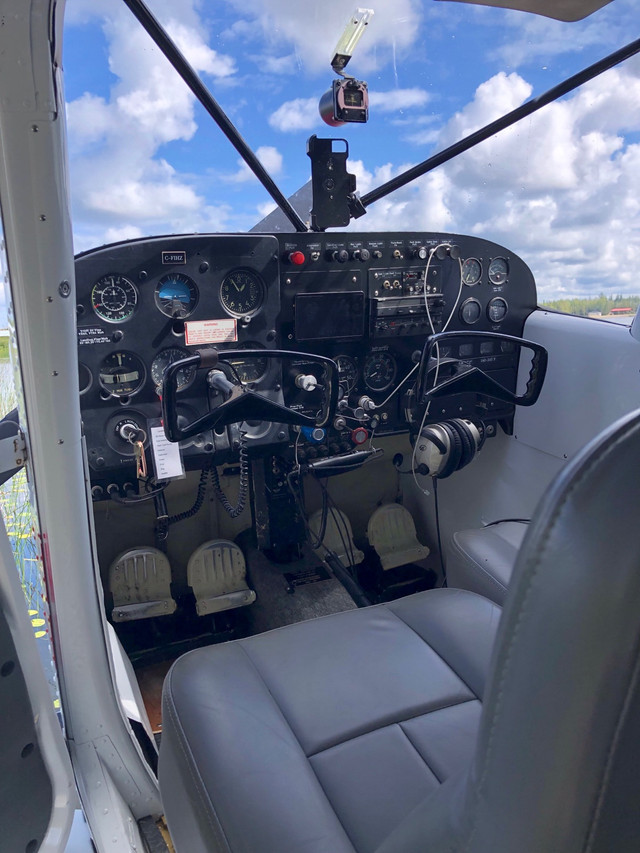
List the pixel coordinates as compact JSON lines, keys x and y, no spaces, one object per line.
{"x":357,"y":732}
{"x":482,"y":559}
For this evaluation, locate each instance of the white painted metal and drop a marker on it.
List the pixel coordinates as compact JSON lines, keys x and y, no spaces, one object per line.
{"x":33,"y":188}
{"x":593,"y":378}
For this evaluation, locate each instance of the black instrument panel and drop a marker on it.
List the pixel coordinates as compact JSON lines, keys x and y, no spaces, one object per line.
{"x":366,"y":300}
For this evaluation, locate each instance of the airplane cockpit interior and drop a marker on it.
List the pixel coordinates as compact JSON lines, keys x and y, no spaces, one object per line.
{"x":333,"y":572}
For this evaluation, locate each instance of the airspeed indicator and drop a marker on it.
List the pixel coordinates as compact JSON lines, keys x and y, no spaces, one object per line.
{"x":114,"y":298}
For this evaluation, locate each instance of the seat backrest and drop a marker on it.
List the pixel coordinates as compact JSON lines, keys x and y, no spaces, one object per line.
{"x":556,"y":765}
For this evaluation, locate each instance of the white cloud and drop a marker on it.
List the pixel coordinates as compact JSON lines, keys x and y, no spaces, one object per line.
{"x":397,"y":100}
{"x":561,"y":189}
{"x":298,"y":114}
{"x":116,"y":173}
{"x":270,"y":158}
{"x":314,"y":29}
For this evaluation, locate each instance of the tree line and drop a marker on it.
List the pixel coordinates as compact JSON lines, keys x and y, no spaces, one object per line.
{"x":602,"y":304}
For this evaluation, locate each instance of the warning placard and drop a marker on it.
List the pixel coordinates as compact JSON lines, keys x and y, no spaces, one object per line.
{"x":210,"y":332}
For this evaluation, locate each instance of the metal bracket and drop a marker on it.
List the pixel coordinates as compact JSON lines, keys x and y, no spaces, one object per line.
{"x":13,"y":455}
{"x":334,"y":189}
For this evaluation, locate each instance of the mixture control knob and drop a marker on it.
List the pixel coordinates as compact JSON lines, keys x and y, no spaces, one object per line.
{"x":306,"y":381}
{"x":362,"y":255}
{"x":367,"y":404}
{"x":359,"y":435}
{"x":340,"y":255}
{"x":420,"y":252}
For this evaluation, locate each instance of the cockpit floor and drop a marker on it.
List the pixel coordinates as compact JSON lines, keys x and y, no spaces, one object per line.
{"x":285,"y":593}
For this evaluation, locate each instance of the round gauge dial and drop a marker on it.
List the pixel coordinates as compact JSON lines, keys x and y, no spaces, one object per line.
{"x":347,"y":372}
{"x":241,"y":292}
{"x":379,"y":371}
{"x":114,"y":298}
{"x":164,"y":358}
{"x":470,"y":311}
{"x":471,"y":271}
{"x":498,"y":271}
{"x":497,"y":309}
{"x":176,"y":295}
{"x":248,"y":369}
{"x":85,"y":378}
{"x":121,"y":374}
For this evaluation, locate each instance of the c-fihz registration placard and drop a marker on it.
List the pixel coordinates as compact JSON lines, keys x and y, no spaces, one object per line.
{"x":210,"y":332}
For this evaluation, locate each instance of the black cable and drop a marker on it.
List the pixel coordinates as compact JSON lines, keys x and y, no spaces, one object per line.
{"x":134,"y":500}
{"x":505,"y":520}
{"x":434,"y":481}
{"x":195,"y":84}
{"x":197,"y":504}
{"x":235,"y":511}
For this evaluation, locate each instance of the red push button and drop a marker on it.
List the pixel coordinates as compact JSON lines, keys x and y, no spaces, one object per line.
{"x":296,"y":258}
{"x":359,"y":435}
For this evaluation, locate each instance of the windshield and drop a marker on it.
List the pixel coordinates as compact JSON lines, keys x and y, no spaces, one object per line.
{"x":561,"y":188}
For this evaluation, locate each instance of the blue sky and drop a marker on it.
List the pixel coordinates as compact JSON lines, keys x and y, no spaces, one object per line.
{"x":562,"y":189}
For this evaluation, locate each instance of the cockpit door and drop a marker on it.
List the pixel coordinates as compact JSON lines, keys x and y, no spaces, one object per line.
{"x":37,"y":789}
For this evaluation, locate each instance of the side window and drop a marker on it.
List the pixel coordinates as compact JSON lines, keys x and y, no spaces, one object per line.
{"x":15,"y":506}
{"x":616,"y":309}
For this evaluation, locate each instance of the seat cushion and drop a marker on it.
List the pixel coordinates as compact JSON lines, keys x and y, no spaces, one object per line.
{"x":482,"y":560}
{"x":322,"y":736}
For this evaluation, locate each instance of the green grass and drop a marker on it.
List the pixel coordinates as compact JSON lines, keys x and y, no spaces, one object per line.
{"x":4,"y":349}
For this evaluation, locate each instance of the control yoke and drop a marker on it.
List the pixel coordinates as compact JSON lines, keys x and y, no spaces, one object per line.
{"x":473,"y":379}
{"x":242,"y":403}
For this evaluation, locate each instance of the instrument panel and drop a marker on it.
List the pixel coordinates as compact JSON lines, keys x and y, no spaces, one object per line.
{"x":366,"y":300}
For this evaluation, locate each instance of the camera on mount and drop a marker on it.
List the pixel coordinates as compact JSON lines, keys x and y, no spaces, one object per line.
{"x":346,"y":100}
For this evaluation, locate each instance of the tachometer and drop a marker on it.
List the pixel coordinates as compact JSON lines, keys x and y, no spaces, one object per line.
{"x":498,"y":271}
{"x":121,"y":374}
{"x":347,"y":372}
{"x":471,"y":271}
{"x":248,"y":369}
{"x":114,"y":298}
{"x":241,"y":293}
{"x":379,"y":371}
{"x":176,"y":295}
{"x":164,"y":358}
